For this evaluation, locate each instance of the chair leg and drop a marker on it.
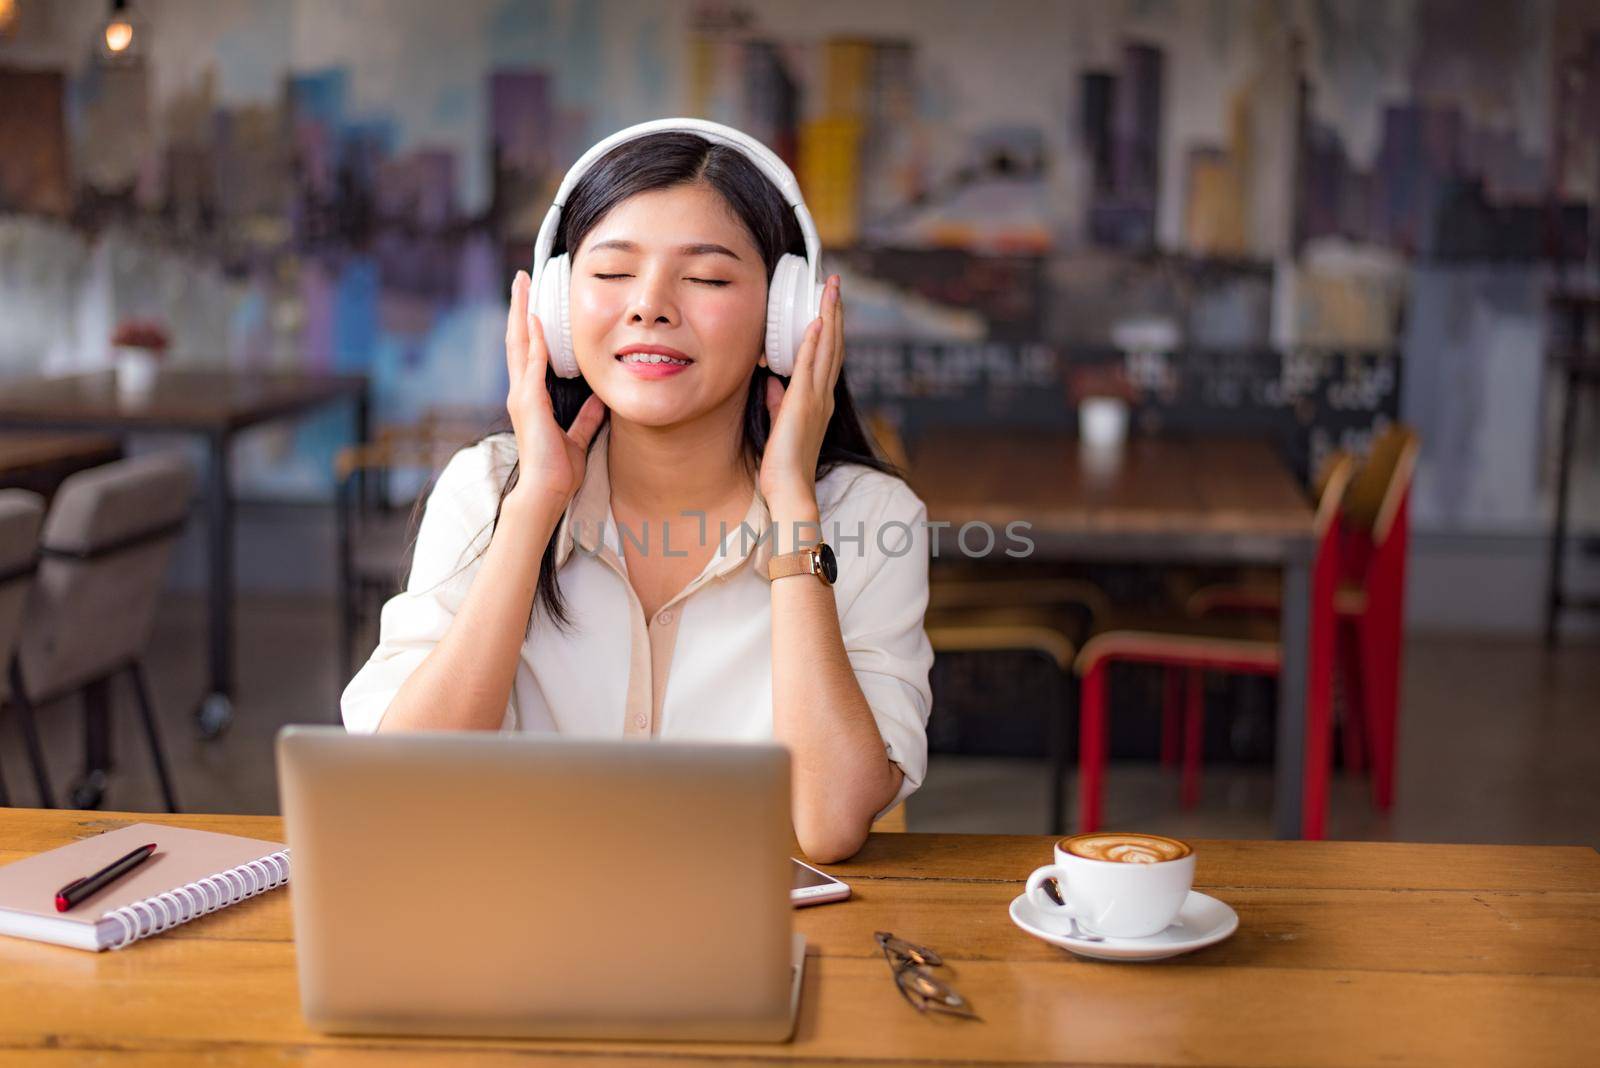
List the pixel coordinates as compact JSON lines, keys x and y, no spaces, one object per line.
{"x":347,"y":596}
{"x":1193,"y":736}
{"x":89,"y":789}
{"x":347,"y":629}
{"x":142,"y":695}
{"x":1171,"y":685}
{"x":1058,"y":782}
{"x":1373,"y":683}
{"x":1387,"y":719}
{"x":1091,"y":746}
{"x":30,"y":736}
{"x":5,"y":798}
{"x":1058,"y":753}
{"x":1318,"y":754}
{"x":1351,"y":729}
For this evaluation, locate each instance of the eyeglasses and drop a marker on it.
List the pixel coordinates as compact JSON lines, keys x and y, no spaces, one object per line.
{"x":910,"y":964}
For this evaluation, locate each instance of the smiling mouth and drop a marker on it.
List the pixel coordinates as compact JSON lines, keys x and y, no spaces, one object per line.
{"x":653,"y":358}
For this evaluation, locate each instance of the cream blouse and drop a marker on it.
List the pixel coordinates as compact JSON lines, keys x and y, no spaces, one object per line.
{"x":702,"y":667}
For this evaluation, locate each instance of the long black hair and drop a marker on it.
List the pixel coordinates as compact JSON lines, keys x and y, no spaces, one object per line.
{"x":662,"y":161}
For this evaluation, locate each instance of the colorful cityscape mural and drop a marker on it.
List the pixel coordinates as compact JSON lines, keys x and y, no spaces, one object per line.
{"x":1301,"y":194}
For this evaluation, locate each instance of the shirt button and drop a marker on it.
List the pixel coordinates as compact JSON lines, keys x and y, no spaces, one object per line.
{"x":664,"y":617}
{"x":640,"y":721}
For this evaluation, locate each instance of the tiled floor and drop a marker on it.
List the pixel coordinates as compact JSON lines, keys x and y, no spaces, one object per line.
{"x":1499,"y":743}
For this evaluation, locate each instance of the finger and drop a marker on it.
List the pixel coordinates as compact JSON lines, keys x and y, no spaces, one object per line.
{"x":517,"y":328}
{"x":588,"y":420}
{"x":819,"y":365}
{"x":538,"y":351}
{"x":774,"y":397}
{"x":828,"y":344}
{"x":531,"y":389}
{"x":806,"y":354}
{"x":829,"y":369}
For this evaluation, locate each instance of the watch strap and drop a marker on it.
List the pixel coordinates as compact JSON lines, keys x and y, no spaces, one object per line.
{"x":801,"y":562}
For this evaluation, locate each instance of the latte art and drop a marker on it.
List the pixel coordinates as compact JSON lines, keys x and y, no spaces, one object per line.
{"x":1126,"y":848}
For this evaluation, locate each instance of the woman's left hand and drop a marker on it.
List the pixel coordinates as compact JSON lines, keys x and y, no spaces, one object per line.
{"x":800,"y":412}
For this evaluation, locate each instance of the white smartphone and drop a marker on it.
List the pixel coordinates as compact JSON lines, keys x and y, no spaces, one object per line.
{"x":813,"y":887}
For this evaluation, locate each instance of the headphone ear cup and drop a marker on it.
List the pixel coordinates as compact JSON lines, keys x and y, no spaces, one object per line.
{"x":550,"y":305}
{"x":790,"y":308}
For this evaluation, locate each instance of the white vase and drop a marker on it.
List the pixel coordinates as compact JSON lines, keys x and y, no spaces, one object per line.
{"x":1103,"y":422}
{"x":136,"y":369}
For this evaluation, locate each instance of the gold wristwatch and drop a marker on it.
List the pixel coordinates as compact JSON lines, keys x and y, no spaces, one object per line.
{"x":815,"y":560}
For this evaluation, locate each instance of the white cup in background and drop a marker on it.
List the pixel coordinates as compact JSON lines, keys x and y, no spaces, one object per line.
{"x":135,"y":370}
{"x":1103,"y":422}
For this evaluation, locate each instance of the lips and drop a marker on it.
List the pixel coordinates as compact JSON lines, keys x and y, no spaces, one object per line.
{"x":653,"y":361}
{"x":653,"y":356}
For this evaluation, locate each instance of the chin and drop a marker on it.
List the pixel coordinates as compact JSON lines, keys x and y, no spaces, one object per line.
{"x":650,"y":410}
{"x":658,"y":403}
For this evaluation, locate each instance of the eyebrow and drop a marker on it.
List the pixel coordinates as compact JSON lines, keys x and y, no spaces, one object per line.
{"x":702,"y":249}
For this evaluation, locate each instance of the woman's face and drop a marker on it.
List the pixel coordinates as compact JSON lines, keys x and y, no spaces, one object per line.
{"x":672,"y":269}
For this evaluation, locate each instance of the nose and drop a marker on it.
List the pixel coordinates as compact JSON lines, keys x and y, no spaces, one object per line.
{"x":651,"y":301}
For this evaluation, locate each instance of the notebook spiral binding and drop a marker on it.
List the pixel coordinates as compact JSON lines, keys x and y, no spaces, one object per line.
{"x":167,"y":910}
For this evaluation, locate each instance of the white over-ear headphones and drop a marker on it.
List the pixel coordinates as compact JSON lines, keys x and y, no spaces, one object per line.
{"x":793,"y":299}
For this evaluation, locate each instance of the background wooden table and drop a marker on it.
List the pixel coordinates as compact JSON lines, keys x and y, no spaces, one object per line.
{"x":1346,"y":954}
{"x":215,"y":405}
{"x":41,"y":460}
{"x":1154,"y":501}
{"x":1178,"y":500}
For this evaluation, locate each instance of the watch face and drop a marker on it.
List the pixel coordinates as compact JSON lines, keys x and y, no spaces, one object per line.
{"x":826,"y":563}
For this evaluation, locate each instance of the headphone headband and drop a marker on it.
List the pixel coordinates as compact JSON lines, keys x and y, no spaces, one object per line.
{"x":759,"y":154}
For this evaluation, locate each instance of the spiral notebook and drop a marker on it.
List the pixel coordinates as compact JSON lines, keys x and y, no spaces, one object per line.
{"x":190,"y":874}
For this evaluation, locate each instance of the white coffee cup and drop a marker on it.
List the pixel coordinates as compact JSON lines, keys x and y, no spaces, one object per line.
{"x":1115,"y":884}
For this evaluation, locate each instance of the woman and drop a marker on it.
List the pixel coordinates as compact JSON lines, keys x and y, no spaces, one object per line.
{"x":599,"y":571}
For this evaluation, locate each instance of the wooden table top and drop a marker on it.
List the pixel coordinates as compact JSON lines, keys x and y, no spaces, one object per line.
{"x":25,"y":451}
{"x":181,"y":399}
{"x":1158,"y":490}
{"x":1347,"y":954}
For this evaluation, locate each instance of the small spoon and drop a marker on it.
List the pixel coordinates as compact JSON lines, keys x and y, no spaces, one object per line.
{"x":1079,"y":932}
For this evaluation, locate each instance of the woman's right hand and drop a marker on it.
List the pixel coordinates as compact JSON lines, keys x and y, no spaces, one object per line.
{"x":551,"y":460}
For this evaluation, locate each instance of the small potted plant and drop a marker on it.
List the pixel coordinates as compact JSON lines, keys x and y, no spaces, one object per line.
{"x":137,"y":349}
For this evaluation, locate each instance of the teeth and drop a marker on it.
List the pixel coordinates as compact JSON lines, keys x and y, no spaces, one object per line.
{"x":651,"y":357}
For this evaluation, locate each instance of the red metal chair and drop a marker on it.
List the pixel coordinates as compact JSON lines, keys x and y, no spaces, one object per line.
{"x":1241,"y":645}
{"x":1372,"y":615}
{"x":1257,"y":592}
{"x":1369,"y":603}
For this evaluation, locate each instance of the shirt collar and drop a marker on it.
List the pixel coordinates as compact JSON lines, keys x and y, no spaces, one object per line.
{"x":588,"y":517}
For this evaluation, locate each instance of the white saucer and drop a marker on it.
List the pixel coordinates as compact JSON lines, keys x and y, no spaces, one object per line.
{"x":1203,"y":921}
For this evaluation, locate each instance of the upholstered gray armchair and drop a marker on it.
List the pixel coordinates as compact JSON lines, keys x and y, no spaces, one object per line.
{"x":103,"y":557}
{"x":21,"y":513}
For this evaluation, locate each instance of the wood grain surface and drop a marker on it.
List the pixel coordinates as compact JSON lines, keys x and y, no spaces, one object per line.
{"x":181,"y":399}
{"x":1150,"y":486}
{"x":23,"y":450}
{"x":1346,"y":954}
{"x":40,"y":460}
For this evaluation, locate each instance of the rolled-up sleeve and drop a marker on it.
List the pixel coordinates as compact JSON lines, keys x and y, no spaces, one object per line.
{"x":457,"y":523}
{"x":883,"y":597}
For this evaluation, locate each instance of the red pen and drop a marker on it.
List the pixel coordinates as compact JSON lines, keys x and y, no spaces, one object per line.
{"x":79,"y":889}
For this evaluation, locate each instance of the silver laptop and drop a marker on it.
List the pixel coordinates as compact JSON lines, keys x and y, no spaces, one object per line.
{"x":526,"y":885}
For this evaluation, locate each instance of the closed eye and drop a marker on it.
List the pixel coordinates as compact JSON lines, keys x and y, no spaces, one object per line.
{"x":706,"y":281}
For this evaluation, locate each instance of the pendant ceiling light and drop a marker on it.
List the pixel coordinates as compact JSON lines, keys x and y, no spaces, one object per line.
{"x":123,"y":35}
